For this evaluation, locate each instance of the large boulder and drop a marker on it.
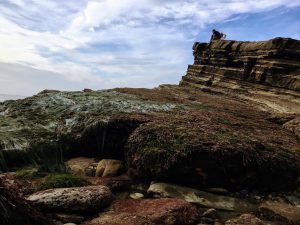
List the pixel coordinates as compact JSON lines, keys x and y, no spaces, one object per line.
{"x":109,"y":168}
{"x":200,"y":197}
{"x":148,"y":212}
{"x":282,"y":212}
{"x":80,"y":199}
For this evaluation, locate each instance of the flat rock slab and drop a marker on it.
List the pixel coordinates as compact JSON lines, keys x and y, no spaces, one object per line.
{"x":245,"y":219}
{"x":200,"y":197}
{"x":79,"y":199}
{"x":279,"y":211}
{"x":148,"y":212}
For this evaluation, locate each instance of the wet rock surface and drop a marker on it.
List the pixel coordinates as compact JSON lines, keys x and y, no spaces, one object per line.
{"x":200,"y":197}
{"x":148,"y":211}
{"x":280,"y":211}
{"x":81,"y":199}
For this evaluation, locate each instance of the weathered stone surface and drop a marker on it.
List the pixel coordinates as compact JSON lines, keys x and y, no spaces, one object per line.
{"x":245,"y":219}
{"x":109,"y":168}
{"x":294,"y":126}
{"x":79,"y":199}
{"x":282,"y":212}
{"x":200,"y":197}
{"x":77,"y":166}
{"x":274,"y":62}
{"x":148,"y":212}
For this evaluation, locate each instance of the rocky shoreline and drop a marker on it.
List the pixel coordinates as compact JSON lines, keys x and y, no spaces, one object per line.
{"x":220,"y":148}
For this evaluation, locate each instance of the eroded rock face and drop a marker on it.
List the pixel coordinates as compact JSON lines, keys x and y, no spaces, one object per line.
{"x":200,"y":197}
{"x":81,"y":199}
{"x":279,"y":211}
{"x":274,"y":62}
{"x":148,"y":212}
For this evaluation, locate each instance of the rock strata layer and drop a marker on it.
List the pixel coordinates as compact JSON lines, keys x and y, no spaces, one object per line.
{"x":271,"y":63}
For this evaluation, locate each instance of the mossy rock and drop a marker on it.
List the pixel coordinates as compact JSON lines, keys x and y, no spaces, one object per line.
{"x":62,"y":181}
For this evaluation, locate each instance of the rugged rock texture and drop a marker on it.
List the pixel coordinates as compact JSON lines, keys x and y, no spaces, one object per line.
{"x":148,"y":212}
{"x":81,"y":199}
{"x":170,"y":133}
{"x":272,"y":63}
{"x":245,"y":219}
{"x":279,"y":211}
{"x":266,"y":72}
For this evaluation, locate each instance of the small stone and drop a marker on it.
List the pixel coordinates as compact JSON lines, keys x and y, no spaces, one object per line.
{"x":136,"y":196}
{"x":211,"y":213}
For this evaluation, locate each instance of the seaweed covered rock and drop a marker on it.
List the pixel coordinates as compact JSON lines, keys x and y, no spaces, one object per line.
{"x":178,"y":134}
{"x":80,"y":199}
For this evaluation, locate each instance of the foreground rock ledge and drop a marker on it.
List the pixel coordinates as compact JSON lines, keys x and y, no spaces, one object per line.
{"x":81,"y":199}
{"x":148,"y":212}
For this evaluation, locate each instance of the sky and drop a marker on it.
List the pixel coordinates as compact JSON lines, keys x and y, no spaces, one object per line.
{"x":102,"y":44}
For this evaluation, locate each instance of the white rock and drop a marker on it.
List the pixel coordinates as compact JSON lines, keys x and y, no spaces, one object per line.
{"x":79,"y":199}
{"x":136,"y":195}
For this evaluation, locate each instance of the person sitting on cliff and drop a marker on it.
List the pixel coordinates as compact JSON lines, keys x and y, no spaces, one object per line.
{"x":216,"y":35}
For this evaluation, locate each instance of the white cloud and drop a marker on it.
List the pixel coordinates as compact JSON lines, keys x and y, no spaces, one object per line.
{"x":111,"y":42}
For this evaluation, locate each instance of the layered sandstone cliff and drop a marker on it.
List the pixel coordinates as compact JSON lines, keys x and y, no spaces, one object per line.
{"x":273,"y":63}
